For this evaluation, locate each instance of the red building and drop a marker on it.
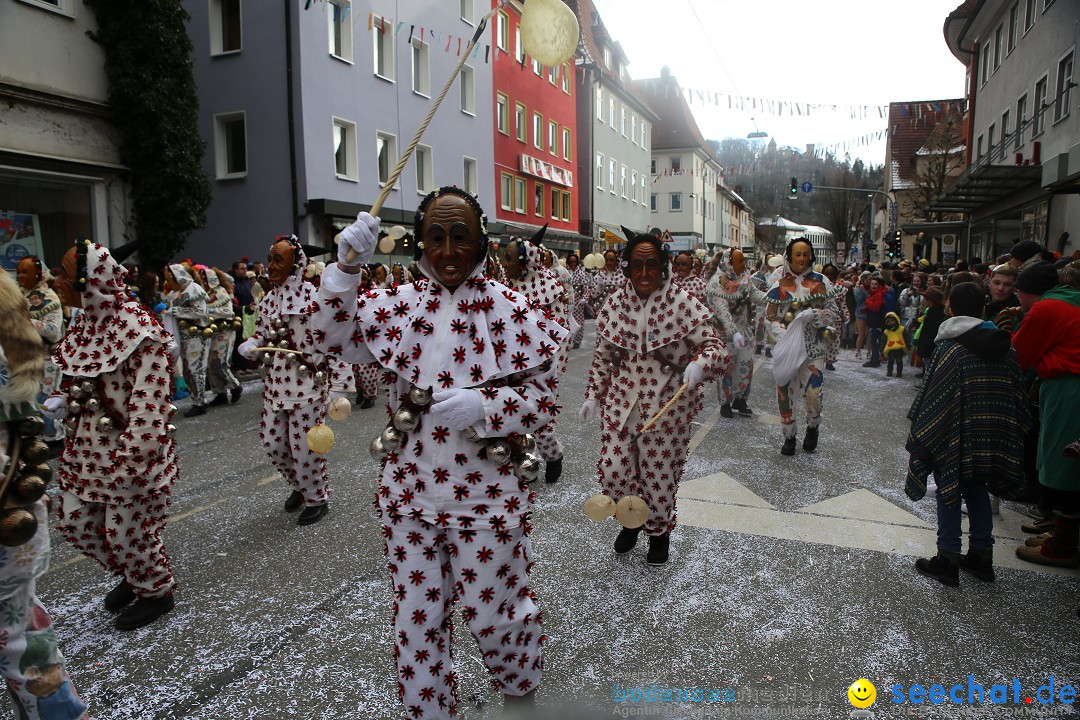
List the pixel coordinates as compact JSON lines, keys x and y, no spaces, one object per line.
{"x":535,"y":140}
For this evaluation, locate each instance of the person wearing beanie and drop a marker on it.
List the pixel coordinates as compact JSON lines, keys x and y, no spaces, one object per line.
{"x":1026,"y":253}
{"x":1048,"y":342}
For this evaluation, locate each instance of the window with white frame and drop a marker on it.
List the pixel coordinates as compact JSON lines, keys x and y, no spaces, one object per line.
{"x":521,"y":127}
{"x":551,"y":76}
{"x":676,"y":202}
{"x":566,"y":198}
{"x":607,"y":58}
{"x":979,"y":147}
{"x":556,"y":204}
{"x":386,"y":154}
{"x":622,"y":121}
{"x":652,"y":202}
{"x":345,"y":149}
{"x":62,"y":7}
{"x":985,"y":50}
{"x":1038,"y":110}
{"x":538,"y":200}
{"x":1021,"y":119}
{"x":1030,"y":10}
{"x":644,"y":129}
{"x":467,"y":80}
{"x":519,"y":195}
{"x":1064,"y":86}
{"x":999,"y":46}
{"x":230,"y":145}
{"x":553,"y":137}
{"x":633,"y":186}
{"x":537,"y":70}
{"x":425,"y":171}
{"x":502,"y":30}
{"x":501,"y":110}
{"x":567,"y":68}
{"x":611,"y":113}
{"x":1014,"y":27}
{"x":538,"y":131}
{"x":676,"y":164}
{"x":506,"y":191}
{"x":599,"y":171}
{"x":467,"y":12}
{"x":613,"y":169}
{"x":421,"y":68}
{"x":652,"y":166}
{"x":1006,"y":117}
{"x":991,"y":139}
{"x":633,"y":128}
{"x":383,"y":46}
{"x":469,"y":177}
{"x":642,"y":181}
{"x":225,"y":26}
{"x":600,"y":103}
{"x":519,"y":48}
{"x":622,"y":180}
{"x":566,"y":144}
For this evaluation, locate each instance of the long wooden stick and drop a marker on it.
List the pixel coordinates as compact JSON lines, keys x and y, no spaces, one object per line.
{"x":279,"y":350}
{"x":396,"y":173}
{"x":664,"y":409}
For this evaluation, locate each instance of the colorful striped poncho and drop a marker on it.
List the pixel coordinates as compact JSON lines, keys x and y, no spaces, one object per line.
{"x":969,"y":419}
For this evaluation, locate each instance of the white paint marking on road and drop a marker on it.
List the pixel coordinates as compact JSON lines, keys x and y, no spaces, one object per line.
{"x":721,"y":485}
{"x":766,"y":419}
{"x":267,"y":480}
{"x":195,"y":511}
{"x":862,"y":504}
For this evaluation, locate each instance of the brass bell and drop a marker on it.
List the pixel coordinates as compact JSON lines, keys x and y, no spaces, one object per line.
{"x":320,"y":377}
{"x":828,"y":336}
{"x":406,"y":420}
{"x":303,"y":371}
{"x":87,"y":386}
{"x":392,"y":438}
{"x":788,"y":317}
{"x":32,"y":425}
{"x":213,"y":328}
{"x":104,"y":424}
{"x":796,"y":306}
{"x":498,"y":452}
{"x":420,"y":397}
{"x":74,"y":408}
{"x":207,"y":333}
{"x":34,"y":453}
{"x":26,"y":489}
{"x":43,"y":471}
{"x":471,"y":434}
{"x":170,"y":431}
{"x":17,"y":525}
{"x":529,"y":467}
{"x":378,"y":452}
{"x":92,"y":405}
{"x":193,"y":330}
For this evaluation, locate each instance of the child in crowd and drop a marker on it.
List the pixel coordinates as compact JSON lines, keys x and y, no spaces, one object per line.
{"x":893,"y":345}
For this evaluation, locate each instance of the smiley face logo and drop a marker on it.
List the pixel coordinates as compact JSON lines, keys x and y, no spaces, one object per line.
{"x":862,"y":693}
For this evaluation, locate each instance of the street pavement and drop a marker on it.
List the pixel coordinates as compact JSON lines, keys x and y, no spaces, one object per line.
{"x":790,"y":578}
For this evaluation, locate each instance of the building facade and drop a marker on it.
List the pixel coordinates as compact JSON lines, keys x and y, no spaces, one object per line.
{"x":60,"y":171}
{"x":306,"y":112}
{"x":1023,"y":127}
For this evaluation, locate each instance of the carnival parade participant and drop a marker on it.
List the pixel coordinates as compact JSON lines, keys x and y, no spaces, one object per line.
{"x":367,"y":374}
{"x":692,"y":282}
{"x":735,"y":299}
{"x":119,"y":462}
{"x":582,"y":282}
{"x":606,"y":281}
{"x":652,"y":337}
{"x":526,"y":274}
{"x":219,"y":307}
{"x":47,"y":316}
{"x":473,"y":371}
{"x":188,"y":307}
{"x":38,"y":684}
{"x":802,"y":316}
{"x":297,"y":382}
{"x":839,"y":306}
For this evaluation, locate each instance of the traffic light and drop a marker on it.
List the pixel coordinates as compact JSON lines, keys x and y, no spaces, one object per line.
{"x":895,"y":244}
{"x":794,"y":187}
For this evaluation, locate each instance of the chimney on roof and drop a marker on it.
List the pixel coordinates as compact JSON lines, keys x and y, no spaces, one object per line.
{"x":665,"y":72}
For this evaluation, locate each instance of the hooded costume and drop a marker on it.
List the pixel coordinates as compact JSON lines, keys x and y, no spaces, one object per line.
{"x":604,"y":283}
{"x":643,"y":348}
{"x":367,"y":375}
{"x":582,"y":282}
{"x":296,"y":385}
{"x":119,"y":461}
{"x":188,"y":305}
{"x":38,"y":684}
{"x":220,"y":310}
{"x":734,"y":300}
{"x":798,"y":310}
{"x":47,"y":316}
{"x":454,"y":511}
{"x":895,"y":347}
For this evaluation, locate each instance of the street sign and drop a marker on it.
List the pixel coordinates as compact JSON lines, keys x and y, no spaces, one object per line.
{"x":807,"y":187}
{"x":841,"y":247}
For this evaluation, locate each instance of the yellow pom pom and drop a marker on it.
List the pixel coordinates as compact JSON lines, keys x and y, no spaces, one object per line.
{"x":340,"y":409}
{"x":631,"y":511}
{"x":320,"y":439}
{"x":599,"y":507}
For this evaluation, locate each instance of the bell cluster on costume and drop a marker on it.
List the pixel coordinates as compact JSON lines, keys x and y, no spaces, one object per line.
{"x":209,"y":331}
{"x":280,"y":336}
{"x":24,"y":481}
{"x":84,"y":406}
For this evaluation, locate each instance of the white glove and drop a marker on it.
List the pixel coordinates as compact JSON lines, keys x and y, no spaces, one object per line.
{"x":588,"y":409}
{"x":457,"y":409}
{"x":361,"y":237}
{"x":54,"y":408}
{"x":804,"y":313}
{"x":739,"y":340}
{"x":693,"y":375}
{"x":247,"y":349}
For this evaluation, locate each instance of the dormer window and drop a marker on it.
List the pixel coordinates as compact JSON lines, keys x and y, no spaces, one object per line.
{"x":607,"y":58}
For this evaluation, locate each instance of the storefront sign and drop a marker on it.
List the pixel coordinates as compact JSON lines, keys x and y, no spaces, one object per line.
{"x":546,"y":170}
{"x":20,"y":236}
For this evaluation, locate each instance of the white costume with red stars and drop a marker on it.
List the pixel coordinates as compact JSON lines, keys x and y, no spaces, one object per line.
{"x":604,"y":283}
{"x":456,"y":525}
{"x":119,"y":462}
{"x":642,"y":350}
{"x":582,"y":282}
{"x":545,"y":289}
{"x":296,"y":387}
{"x":694,"y":285}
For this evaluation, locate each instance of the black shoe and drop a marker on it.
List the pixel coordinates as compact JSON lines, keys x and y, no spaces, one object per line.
{"x":768,"y":352}
{"x":899,"y":373}
{"x":575,"y":346}
{"x":119,"y":597}
{"x":553,"y":470}
{"x":219,"y":399}
{"x":236,"y":392}
{"x":871,"y":364}
{"x":627,"y":540}
{"x":741,"y":407}
{"x":809,"y":443}
{"x":830,"y":366}
{"x":789,"y":446}
{"x":195,"y":411}
{"x":980,"y":567}
{"x":313,"y":514}
{"x":888,"y":373}
{"x":144,"y":612}
{"x":758,"y":350}
{"x":940,"y":569}
{"x":658,"y":549}
{"x":364,"y":402}
{"x":294,"y":501}
{"x":725,"y":411}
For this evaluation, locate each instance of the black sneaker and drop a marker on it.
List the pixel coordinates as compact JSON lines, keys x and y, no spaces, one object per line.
{"x":725,"y":411}
{"x":830,"y":366}
{"x":313,"y":514}
{"x":195,"y":411}
{"x":236,"y":392}
{"x":119,"y":597}
{"x":553,"y":470}
{"x":144,"y":612}
{"x":789,"y":446}
{"x":809,"y":443}
{"x":294,"y":501}
{"x":980,"y":567}
{"x":364,"y":402}
{"x":940,"y":569}
{"x":741,"y":407}
{"x":627,"y":540}
{"x":758,"y":350}
{"x":768,"y":352}
{"x":219,"y":399}
{"x":871,"y":364}
{"x":658,"y":549}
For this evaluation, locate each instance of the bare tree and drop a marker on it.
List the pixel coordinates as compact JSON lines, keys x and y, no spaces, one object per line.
{"x":937,"y":162}
{"x":846,"y":211}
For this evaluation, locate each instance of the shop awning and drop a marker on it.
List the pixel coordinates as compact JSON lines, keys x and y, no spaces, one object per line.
{"x":1061,"y":174}
{"x":982,"y":185}
{"x":934,"y":229}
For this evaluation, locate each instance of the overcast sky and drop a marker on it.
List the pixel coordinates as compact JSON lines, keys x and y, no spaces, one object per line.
{"x":862,"y":52}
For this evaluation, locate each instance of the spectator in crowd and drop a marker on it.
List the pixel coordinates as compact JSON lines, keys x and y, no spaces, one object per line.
{"x":862,"y":291}
{"x":875,"y":320}
{"x":999,"y":292}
